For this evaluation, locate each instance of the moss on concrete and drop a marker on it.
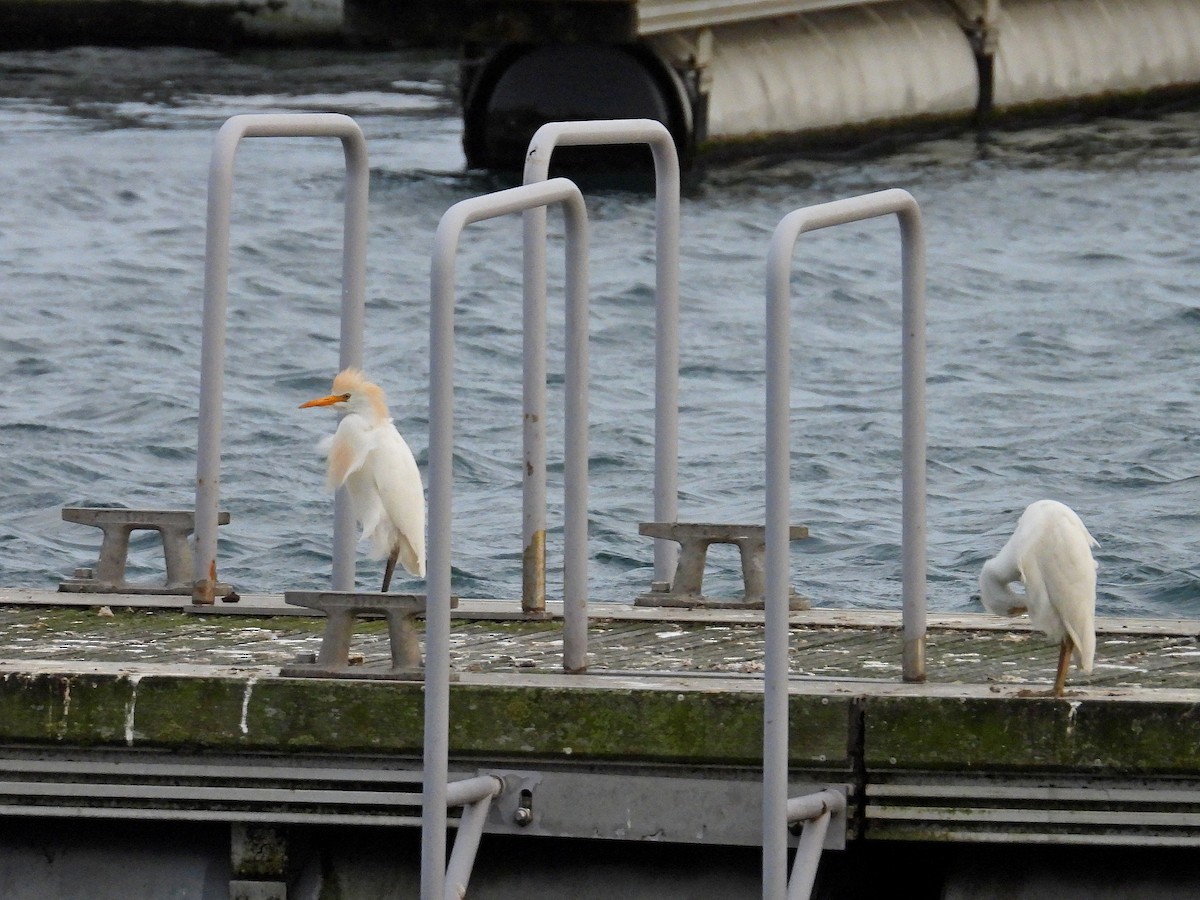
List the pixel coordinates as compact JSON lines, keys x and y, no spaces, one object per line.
{"x":336,"y":715}
{"x":77,"y":709}
{"x":697,"y":726}
{"x":586,"y":720}
{"x":1033,"y":733}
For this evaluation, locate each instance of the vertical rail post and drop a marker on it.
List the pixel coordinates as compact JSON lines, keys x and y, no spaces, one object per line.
{"x":216,"y":283}
{"x":441,"y":464}
{"x":778,"y":484}
{"x":666,"y":341}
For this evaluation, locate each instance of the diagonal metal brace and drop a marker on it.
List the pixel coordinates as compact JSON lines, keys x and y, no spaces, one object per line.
{"x":816,"y":811}
{"x":475,"y":796}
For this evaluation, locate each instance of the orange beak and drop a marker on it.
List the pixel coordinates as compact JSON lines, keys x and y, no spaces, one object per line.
{"x":326,"y":401}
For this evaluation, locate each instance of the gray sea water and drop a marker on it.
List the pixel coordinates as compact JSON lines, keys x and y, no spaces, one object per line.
{"x":1063,"y":329}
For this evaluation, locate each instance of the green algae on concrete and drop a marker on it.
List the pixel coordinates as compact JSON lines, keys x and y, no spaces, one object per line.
{"x":708,"y":726}
{"x":1031,"y":732}
{"x":536,"y":718}
{"x":587,"y":719}
{"x":336,"y":715}
{"x":75,"y":708}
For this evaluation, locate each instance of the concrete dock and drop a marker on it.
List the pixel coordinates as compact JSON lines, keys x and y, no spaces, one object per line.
{"x":134,"y":708}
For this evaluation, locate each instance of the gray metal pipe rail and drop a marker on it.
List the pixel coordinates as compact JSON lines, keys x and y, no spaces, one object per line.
{"x":216,"y":283}
{"x":816,"y":812}
{"x":778,"y":483}
{"x":666,"y":349}
{"x":441,"y":476}
{"x":475,"y":795}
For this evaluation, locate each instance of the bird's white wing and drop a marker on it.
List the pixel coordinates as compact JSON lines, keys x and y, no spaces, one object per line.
{"x":1072,"y":588}
{"x":399,"y":487}
{"x":1060,"y":582}
{"x":368,"y":509}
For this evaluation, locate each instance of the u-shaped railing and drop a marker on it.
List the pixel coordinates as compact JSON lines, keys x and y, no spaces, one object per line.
{"x":441,"y":462}
{"x":778,"y":483}
{"x":216,"y":284}
{"x":666,"y":338}
{"x":778,"y":809}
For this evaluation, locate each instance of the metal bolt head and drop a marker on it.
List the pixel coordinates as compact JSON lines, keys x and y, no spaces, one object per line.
{"x":523,"y":815}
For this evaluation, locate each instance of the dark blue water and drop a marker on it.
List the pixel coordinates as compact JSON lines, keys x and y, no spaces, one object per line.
{"x":1064,"y":333}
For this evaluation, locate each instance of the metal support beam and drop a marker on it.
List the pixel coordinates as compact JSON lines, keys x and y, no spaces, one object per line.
{"x":666,"y":346}
{"x":778,"y":482}
{"x":441,"y":476}
{"x":475,"y":795}
{"x":816,"y":811}
{"x":216,"y":285}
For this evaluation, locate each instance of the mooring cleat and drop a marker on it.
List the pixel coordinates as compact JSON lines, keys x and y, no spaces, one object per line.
{"x":694,"y":539}
{"x":107,"y":576}
{"x":342,"y":609}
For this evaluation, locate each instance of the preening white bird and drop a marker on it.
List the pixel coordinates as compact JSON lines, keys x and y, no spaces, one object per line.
{"x":1050,"y":553}
{"x":368,"y":456}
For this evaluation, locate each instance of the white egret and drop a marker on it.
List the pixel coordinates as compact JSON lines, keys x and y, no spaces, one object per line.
{"x":1050,"y":553}
{"x":368,"y":456}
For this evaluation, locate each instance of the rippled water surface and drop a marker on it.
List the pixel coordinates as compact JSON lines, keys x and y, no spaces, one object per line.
{"x":1064,"y":332}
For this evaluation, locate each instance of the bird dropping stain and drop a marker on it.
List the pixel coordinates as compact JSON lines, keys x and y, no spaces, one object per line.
{"x":243,"y":724}
{"x":65,"y":712}
{"x":1072,"y":712}
{"x":130,"y":709}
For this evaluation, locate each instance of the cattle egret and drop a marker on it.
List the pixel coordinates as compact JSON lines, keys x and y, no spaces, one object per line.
{"x":1050,"y":553}
{"x":368,"y":456}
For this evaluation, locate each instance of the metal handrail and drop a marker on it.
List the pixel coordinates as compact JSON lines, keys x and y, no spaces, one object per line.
{"x":216,"y":283}
{"x":475,"y":796}
{"x":778,"y":483}
{"x":814,"y":812}
{"x":441,"y":463}
{"x":666,"y":348}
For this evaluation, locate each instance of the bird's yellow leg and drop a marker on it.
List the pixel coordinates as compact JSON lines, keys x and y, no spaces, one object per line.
{"x":1064,"y":662}
{"x":389,"y":569}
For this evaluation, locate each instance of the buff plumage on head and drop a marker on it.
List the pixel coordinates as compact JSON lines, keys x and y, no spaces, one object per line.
{"x":368,"y":456}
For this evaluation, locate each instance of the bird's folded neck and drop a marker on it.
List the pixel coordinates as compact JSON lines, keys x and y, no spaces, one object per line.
{"x":996,"y":593}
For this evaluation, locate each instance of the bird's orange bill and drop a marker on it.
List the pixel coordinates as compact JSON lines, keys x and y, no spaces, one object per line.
{"x":325,"y":401}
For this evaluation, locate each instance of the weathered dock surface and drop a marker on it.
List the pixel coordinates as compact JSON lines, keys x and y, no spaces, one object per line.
{"x":492,"y":636}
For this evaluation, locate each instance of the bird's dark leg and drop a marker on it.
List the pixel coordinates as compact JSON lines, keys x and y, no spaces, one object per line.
{"x":1064,"y":662}
{"x":389,"y":569}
